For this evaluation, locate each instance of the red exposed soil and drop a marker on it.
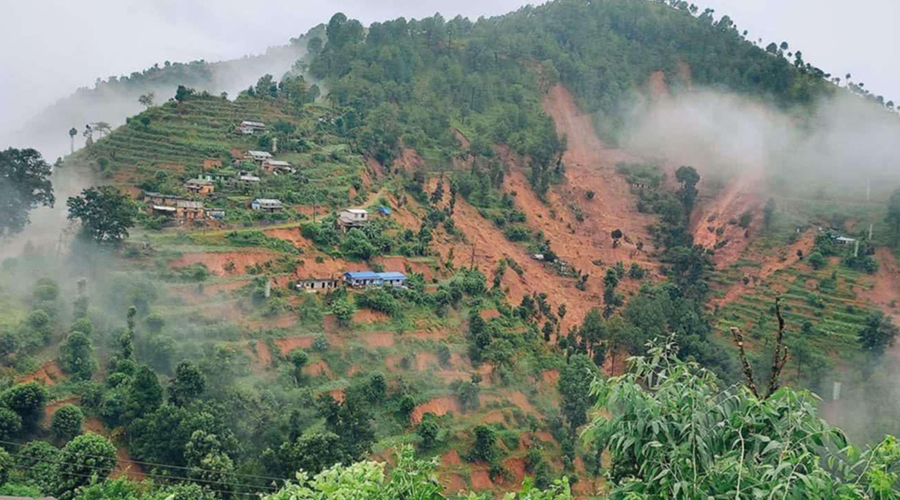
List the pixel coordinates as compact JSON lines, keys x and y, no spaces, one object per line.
{"x":658,"y":87}
{"x":491,"y":246}
{"x":451,"y":458}
{"x":481,"y":480}
{"x":287,"y":345}
{"x":378,"y":339}
{"x":370,"y":316}
{"x":550,"y":376}
{"x":426,"y":360}
{"x":520,"y":401}
{"x":263,"y":354}
{"x":714,"y":220}
{"x":489,"y":314}
{"x":126,"y":466}
{"x":318,"y":368}
{"x":516,"y":467}
{"x":886,"y":292}
{"x":513,"y":398}
{"x":48,"y":374}
{"x":770,"y":264}
{"x":450,"y":376}
{"x":216,"y":261}
{"x":285,"y":320}
{"x":288,"y":234}
{"x":453,"y":483}
{"x":337,"y":394}
{"x":51,"y":408}
{"x":438,"y":406}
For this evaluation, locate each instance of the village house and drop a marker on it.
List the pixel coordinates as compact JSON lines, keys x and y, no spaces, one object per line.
{"x":276,"y":166}
{"x":201,"y":187}
{"x":250,"y":128}
{"x":217,"y":214}
{"x":266,"y":205}
{"x":246,"y":179}
{"x":258,"y":156}
{"x":362,"y":279}
{"x":353,"y":217}
{"x":175,"y":206}
{"x":313,"y":285}
{"x":843,"y":240}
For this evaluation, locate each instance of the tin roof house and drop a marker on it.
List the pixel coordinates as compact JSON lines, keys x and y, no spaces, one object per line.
{"x":362,"y":279}
{"x":249,"y":128}
{"x":266,"y":205}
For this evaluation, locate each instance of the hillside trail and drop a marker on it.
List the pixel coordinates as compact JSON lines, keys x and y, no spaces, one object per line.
{"x":591,"y":167}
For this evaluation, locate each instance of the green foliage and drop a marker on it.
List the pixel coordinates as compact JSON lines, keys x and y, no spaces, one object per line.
{"x":27,"y":400}
{"x":428,"y":431}
{"x":343,"y":310}
{"x":379,"y":299}
{"x":25,"y":186}
{"x":105,"y":213}
{"x":736,"y":446}
{"x":411,"y":478}
{"x":817,"y":261}
{"x":485,"y":446}
{"x":10,"y":424}
{"x":37,"y":461}
{"x":892,"y":217}
{"x":188,"y":384}
{"x":311,"y":453}
{"x":76,"y":355}
{"x":67,"y":422}
{"x":878,"y":334}
{"x":145,"y":394}
{"x":574,"y":387}
{"x":259,"y":239}
{"x":468,"y":395}
{"x":83,"y":458}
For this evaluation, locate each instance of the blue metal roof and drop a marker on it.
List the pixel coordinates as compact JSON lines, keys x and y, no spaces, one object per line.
{"x":361,"y":275}
{"x":392,"y":276}
{"x":384,"y":210}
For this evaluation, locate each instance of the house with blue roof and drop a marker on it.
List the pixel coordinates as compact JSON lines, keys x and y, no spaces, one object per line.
{"x":362,"y":279}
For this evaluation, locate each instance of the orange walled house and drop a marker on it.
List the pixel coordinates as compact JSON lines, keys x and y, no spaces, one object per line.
{"x":174,"y":206}
{"x":200,"y":187}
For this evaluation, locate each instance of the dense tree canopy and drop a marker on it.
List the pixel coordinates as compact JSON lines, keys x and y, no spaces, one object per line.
{"x":24,"y":185}
{"x":104,"y":212}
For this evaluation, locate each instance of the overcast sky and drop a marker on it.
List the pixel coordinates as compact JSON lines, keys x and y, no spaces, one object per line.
{"x":48,"y":48}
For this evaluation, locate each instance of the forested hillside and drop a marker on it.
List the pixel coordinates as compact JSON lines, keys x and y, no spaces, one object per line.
{"x":426,"y":262}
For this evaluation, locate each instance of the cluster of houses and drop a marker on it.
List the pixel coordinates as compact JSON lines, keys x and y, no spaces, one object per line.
{"x":355,"y":279}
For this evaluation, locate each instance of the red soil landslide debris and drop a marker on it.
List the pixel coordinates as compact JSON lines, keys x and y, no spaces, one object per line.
{"x":217,"y":261}
{"x":590,"y":166}
{"x":48,"y":374}
{"x":715,"y":220}
{"x":886,"y":292}
{"x":438,"y":406}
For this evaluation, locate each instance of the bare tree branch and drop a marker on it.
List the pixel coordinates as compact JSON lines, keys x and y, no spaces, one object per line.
{"x":781,"y":352}
{"x":748,"y":370}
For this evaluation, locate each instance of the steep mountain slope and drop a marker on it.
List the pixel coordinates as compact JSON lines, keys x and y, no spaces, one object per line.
{"x":536,"y":255}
